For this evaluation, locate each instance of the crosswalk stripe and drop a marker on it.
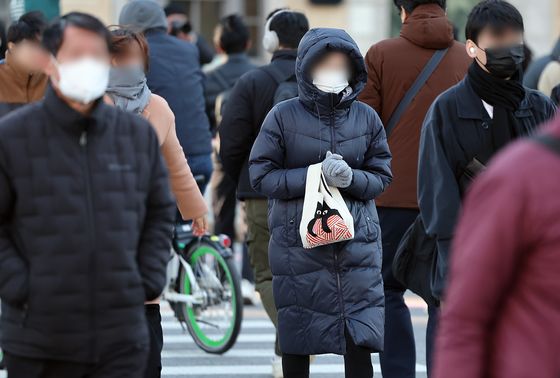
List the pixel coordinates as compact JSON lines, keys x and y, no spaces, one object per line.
{"x":250,"y":338}
{"x":173,"y":325}
{"x":256,"y":369}
{"x":235,"y":353}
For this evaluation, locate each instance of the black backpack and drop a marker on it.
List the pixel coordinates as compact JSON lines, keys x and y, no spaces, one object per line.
{"x":287,"y":84}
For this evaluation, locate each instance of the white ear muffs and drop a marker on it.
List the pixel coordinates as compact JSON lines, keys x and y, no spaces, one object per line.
{"x":270,"y":39}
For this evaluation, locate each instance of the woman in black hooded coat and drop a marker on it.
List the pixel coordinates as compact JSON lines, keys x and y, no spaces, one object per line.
{"x":330,"y":298}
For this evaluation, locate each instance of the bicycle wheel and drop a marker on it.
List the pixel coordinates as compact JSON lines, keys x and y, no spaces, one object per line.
{"x":215,"y":322}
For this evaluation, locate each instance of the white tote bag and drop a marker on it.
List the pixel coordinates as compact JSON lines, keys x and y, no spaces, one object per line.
{"x":326,"y":218}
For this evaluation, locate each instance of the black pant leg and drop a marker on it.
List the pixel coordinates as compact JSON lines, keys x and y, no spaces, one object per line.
{"x":399,"y":357}
{"x":122,"y":361}
{"x":295,"y":366}
{"x":24,"y":367}
{"x":153,"y":316}
{"x":357,"y":360}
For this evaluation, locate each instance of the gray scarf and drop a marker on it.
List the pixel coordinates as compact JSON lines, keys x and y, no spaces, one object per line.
{"x":128,"y":89}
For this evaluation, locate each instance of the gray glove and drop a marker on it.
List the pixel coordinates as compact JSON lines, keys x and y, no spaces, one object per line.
{"x":337,"y":172}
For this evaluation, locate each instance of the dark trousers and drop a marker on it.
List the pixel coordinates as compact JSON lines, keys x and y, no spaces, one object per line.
{"x":357,"y":363}
{"x":122,"y":362}
{"x":153,"y":366}
{"x":224,"y":200}
{"x":399,"y":357}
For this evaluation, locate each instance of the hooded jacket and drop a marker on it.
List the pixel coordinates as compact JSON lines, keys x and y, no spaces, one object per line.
{"x":393,"y":65}
{"x":323,"y":291}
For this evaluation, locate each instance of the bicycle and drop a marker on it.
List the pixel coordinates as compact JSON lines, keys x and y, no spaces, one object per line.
{"x":203,"y":289}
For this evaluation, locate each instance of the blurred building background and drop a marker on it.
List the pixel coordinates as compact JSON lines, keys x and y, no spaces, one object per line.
{"x":367,"y":21}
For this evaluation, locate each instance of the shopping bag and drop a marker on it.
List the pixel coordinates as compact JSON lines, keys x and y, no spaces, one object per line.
{"x":326,"y":218}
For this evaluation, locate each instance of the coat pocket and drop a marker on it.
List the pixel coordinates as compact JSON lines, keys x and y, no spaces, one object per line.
{"x":370,"y":227}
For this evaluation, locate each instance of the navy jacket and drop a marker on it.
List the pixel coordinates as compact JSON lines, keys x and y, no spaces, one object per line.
{"x":85,"y":229}
{"x":322,"y":291}
{"x":222,"y":79}
{"x":456,"y":130}
{"x":175,"y":75}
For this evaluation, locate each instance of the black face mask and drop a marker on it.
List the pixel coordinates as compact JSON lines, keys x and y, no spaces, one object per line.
{"x":504,"y":62}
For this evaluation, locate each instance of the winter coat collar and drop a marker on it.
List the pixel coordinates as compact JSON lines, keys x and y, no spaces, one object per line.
{"x":469,"y":105}
{"x":313,"y":45}
{"x":428,"y":27}
{"x":73,"y":121}
{"x":285,"y":54}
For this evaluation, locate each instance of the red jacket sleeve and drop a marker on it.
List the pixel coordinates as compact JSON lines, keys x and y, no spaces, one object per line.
{"x":486,"y":251}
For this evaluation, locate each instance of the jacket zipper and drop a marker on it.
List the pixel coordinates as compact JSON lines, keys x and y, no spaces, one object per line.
{"x":333,"y":144}
{"x":339,"y":288}
{"x":335,"y":252}
{"x":91,"y":233}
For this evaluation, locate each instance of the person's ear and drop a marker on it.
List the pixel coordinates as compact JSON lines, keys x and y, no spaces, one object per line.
{"x":472,"y":48}
{"x":11,"y":45}
{"x":404,"y":15}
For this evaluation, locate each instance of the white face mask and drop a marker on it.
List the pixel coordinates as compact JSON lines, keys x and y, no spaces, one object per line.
{"x":83,"y":80}
{"x":331,"y":81}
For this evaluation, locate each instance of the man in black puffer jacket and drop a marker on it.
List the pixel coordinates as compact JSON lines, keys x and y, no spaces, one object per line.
{"x":85,"y":220}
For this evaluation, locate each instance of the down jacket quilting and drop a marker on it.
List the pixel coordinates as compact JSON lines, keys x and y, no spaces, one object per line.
{"x":322,"y":291}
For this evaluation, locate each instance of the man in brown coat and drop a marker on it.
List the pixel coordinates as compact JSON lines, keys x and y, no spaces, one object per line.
{"x":393,"y":66}
{"x":21,"y":79}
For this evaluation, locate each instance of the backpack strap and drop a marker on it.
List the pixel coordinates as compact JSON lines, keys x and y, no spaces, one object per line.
{"x":549,"y":142}
{"x":422,"y":78}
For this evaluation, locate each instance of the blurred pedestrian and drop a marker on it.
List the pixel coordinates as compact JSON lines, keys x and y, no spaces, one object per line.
{"x":231,"y":38}
{"x":475,"y":119}
{"x":21,"y":78}
{"x":534,"y":71}
{"x":329,"y":298}
{"x":394,"y":65}
{"x":128,"y":90}
{"x":502,"y":307}
{"x":85,"y":217}
{"x":250,"y":100}
{"x":175,"y":75}
{"x":180,"y":26}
